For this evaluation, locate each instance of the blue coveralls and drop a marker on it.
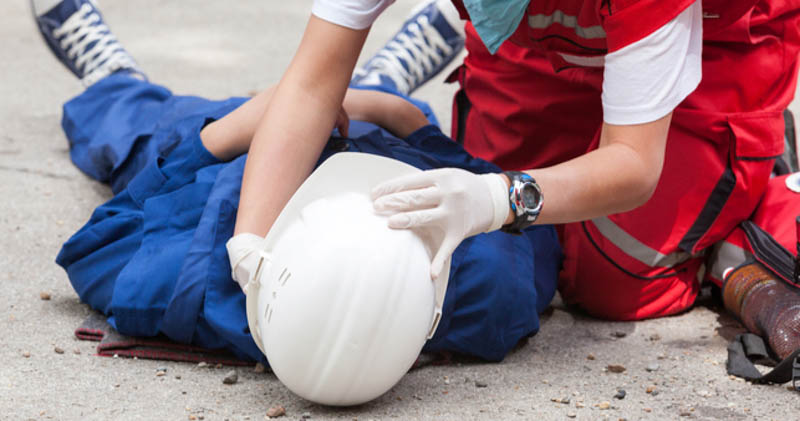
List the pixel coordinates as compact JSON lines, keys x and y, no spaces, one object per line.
{"x":153,"y":257}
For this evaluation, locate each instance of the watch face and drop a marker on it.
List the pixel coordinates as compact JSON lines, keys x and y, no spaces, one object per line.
{"x":530,"y":196}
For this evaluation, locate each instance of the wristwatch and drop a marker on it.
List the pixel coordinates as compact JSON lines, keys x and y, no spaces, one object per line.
{"x":526,"y":200}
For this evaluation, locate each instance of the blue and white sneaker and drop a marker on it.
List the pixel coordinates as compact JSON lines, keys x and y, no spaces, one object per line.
{"x":76,"y":33}
{"x":429,"y":40}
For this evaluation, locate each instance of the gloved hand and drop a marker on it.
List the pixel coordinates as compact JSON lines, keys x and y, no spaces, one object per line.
{"x":243,"y":253}
{"x":446,"y":204}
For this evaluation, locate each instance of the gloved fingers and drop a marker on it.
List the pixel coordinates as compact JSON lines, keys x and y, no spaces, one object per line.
{"x":445,"y":250}
{"x":424,"y":198}
{"x":241,"y":258}
{"x":420,"y":218}
{"x":407,"y":182}
{"x":242,"y":277}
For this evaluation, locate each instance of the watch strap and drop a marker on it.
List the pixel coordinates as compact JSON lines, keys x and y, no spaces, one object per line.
{"x":522,"y":219}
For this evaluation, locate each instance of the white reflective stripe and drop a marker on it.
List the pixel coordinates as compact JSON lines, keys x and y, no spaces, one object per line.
{"x":701,"y":273}
{"x":635,"y":248}
{"x":592,"y":61}
{"x":569,"y":21}
{"x":727,"y":255}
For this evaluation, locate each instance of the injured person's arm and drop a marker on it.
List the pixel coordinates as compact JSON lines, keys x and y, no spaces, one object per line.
{"x":231,"y":136}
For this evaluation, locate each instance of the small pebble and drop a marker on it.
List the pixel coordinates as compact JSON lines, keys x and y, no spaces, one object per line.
{"x":655,"y":337}
{"x":704,"y":393}
{"x":685,"y":413}
{"x":479,"y":383}
{"x":192,"y":417}
{"x":650,"y":389}
{"x":26,"y":354}
{"x":306,"y":415}
{"x":231,"y":377}
{"x":45,"y":296}
{"x":620,"y":394}
{"x":76,"y":351}
{"x":603,"y":405}
{"x":590,"y":357}
{"x":571,"y":414}
{"x":58,"y":350}
{"x":652,"y":367}
{"x":164,"y":369}
{"x":619,"y":334}
{"x":564,"y":400}
{"x":160,"y":373}
{"x":616,"y":368}
{"x":276,"y":411}
{"x":202,"y":364}
{"x":259,"y":368}
{"x":579,"y":405}
{"x":648,"y":410}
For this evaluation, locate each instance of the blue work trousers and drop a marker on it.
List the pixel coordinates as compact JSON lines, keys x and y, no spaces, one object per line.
{"x":153,"y":257}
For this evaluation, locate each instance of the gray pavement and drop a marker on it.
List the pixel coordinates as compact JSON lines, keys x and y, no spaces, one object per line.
{"x":220,"y":49}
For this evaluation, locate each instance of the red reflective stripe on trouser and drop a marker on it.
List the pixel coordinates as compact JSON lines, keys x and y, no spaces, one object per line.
{"x":607,"y":283}
{"x":775,"y":216}
{"x":719,"y":155}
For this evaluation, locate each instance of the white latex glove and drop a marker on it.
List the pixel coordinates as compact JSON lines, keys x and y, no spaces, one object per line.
{"x":446,"y":204}
{"x":243,"y":253}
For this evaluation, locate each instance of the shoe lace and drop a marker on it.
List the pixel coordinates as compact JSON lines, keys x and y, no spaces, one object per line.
{"x":79,"y":32}
{"x":412,"y":55}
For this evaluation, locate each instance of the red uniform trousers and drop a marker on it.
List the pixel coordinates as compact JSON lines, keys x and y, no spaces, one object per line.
{"x":516,"y":111}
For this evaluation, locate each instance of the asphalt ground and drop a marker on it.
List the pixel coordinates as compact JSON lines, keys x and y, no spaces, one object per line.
{"x":221,"y":49}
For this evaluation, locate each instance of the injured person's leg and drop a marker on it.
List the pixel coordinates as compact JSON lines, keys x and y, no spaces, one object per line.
{"x":153,"y":260}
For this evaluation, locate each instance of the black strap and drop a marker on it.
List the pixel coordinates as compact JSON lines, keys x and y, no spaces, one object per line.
{"x":747,"y":348}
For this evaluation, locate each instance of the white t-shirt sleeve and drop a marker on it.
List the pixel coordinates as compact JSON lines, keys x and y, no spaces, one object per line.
{"x":354,"y":14}
{"x":646,"y":80}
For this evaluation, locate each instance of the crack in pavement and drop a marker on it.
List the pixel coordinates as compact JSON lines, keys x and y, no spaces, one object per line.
{"x":42,"y":173}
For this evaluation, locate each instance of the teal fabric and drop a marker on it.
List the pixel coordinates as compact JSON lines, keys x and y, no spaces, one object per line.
{"x":495,"y":20}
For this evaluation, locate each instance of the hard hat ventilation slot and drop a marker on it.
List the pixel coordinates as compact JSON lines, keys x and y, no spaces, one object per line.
{"x":266,"y":311}
{"x":269,"y":316}
{"x":285,"y":275}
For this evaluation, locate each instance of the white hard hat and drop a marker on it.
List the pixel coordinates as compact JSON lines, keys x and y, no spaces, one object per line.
{"x":341,"y":304}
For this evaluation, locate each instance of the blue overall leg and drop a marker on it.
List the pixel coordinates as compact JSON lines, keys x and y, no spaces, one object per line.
{"x":153,"y":257}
